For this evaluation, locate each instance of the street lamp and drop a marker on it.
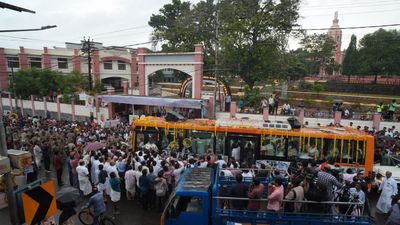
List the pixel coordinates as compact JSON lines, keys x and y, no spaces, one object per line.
{"x":34,"y":29}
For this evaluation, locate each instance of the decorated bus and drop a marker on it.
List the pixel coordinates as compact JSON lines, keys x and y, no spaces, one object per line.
{"x":253,"y":141}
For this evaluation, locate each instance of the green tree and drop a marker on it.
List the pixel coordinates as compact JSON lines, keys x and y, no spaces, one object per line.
{"x":252,"y":34}
{"x":380,"y":53}
{"x":252,"y":97}
{"x":320,"y":48}
{"x":351,"y":63}
{"x":253,"y":37}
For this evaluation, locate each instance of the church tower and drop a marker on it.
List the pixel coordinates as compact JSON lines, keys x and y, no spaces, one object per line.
{"x":336,"y":34}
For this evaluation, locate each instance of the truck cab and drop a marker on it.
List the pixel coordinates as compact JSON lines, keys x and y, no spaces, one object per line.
{"x":190,"y":202}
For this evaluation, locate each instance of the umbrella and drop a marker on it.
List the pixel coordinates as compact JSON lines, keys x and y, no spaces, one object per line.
{"x":94,"y":146}
{"x":68,"y":194}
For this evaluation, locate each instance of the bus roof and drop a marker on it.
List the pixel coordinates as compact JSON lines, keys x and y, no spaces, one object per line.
{"x":195,"y":181}
{"x":247,"y":127}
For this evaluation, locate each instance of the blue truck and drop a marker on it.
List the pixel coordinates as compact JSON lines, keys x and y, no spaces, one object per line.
{"x":201,"y":195}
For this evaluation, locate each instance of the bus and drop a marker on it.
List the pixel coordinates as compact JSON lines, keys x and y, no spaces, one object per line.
{"x":250,"y":142}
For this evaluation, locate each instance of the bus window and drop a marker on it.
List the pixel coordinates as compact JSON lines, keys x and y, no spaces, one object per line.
{"x":343,"y":151}
{"x":148,"y":140}
{"x":220,"y":144}
{"x":274,"y":146}
{"x":202,"y":141}
{"x":293,"y":147}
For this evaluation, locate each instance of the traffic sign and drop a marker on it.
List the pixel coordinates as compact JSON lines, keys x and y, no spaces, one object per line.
{"x":39,"y":203}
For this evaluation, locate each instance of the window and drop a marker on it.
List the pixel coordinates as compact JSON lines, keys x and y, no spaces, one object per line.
{"x":121,"y":65}
{"x":108,"y":65}
{"x":62,"y":63}
{"x":274,"y":145}
{"x":35,"y":62}
{"x":181,"y":204}
{"x":13,"y":62}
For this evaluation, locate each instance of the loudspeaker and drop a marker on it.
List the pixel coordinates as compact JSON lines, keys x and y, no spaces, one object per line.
{"x":294,"y":122}
{"x":174,"y":117}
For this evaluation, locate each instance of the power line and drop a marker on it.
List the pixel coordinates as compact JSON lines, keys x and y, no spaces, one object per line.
{"x":355,"y":4}
{"x":356,"y":13}
{"x":351,"y":28}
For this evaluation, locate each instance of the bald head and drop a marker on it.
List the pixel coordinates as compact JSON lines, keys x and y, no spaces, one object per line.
{"x":388,"y":174}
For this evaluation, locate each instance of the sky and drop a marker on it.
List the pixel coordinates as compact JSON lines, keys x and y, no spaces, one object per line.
{"x":125,"y":22}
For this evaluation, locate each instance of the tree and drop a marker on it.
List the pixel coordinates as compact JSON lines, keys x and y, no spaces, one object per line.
{"x":250,"y":37}
{"x":380,"y":53}
{"x":351,"y":62}
{"x":39,"y":82}
{"x":297,"y":65}
{"x":320,"y":48}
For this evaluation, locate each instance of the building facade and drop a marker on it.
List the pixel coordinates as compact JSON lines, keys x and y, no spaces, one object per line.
{"x":110,"y":65}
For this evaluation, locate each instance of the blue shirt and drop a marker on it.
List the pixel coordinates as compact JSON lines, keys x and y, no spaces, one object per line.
{"x":144,"y":184}
{"x":121,"y":166}
{"x":97,"y":202}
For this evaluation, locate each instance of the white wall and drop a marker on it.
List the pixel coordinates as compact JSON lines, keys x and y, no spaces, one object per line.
{"x":80,"y":110}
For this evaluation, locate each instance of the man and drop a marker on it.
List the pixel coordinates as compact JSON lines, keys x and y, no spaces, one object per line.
{"x":58,"y":166}
{"x":394,"y":214}
{"x":388,"y":189}
{"x":356,"y":193}
{"x":37,"y":152}
{"x":144,"y":185}
{"x":392,"y":109}
{"x":379,"y":108}
{"x":83,"y":178}
{"x":239,"y":190}
{"x":328,"y":181}
{"x":130,"y":183}
{"x":255,"y":193}
{"x":275,"y":198}
{"x":228,"y":100}
{"x":97,"y":203}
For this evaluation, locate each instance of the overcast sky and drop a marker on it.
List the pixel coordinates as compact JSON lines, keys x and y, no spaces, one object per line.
{"x":124,"y":22}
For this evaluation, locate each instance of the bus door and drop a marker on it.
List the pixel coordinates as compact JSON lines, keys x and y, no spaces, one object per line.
{"x":243,"y":148}
{"x":183,"y":210}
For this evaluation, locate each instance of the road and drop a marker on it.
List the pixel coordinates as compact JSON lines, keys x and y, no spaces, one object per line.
{"x":131,"y":212}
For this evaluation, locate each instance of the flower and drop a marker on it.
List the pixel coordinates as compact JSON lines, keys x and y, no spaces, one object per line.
{"x":187,"y":143}
{"x":173,"y":146}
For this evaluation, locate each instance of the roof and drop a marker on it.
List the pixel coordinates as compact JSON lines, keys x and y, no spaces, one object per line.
{"x":195,"y":181}
{"x":214,"y":126}
{"x":154,"y":101}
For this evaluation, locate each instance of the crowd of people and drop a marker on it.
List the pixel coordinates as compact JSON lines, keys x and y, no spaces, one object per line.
{"x":99,"y":158}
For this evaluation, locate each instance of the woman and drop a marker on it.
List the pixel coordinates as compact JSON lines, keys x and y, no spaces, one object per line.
{"x":115,"y":193}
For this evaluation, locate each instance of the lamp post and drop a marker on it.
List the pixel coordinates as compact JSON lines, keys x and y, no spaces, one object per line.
{"x":216,"y":59}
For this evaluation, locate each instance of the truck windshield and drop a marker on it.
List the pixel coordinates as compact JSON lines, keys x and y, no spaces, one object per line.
{"x":190,"y":204}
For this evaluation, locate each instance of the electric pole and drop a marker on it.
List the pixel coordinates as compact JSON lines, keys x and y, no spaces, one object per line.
{"x":14,"y":88}
{"x":216,"y":58}
{"x":7,"y":176}
{"x":87,"y":47}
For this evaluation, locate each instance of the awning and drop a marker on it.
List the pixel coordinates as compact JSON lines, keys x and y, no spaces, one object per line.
{"x":153,"y":101}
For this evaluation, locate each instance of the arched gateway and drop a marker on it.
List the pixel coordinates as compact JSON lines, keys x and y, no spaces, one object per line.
{"x":190,"y":63}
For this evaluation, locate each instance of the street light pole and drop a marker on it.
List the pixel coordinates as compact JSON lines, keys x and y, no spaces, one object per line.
{"x":216,"y":59}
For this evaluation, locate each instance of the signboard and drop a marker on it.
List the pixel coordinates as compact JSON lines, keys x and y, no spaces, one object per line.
{"x":282,"y":166}
{"x":39,"y":203}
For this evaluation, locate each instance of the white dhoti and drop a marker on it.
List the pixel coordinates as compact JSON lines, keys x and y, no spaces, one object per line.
{"x":115,"y":195}
{"x":85,"y":186}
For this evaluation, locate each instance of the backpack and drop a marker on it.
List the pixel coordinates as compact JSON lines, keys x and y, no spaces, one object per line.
{"x":289,"y":206}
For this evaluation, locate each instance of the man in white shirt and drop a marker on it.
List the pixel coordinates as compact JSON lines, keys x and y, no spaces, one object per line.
{"x":388,"y":189}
